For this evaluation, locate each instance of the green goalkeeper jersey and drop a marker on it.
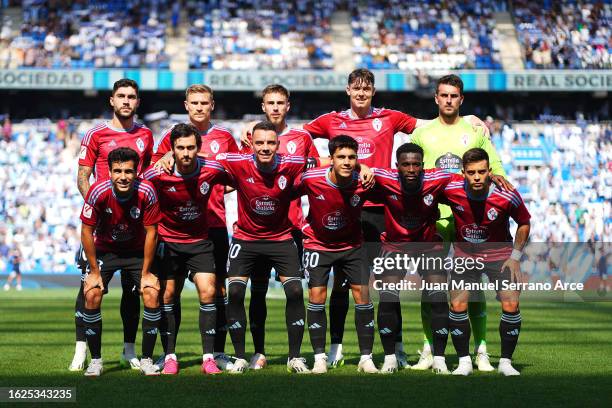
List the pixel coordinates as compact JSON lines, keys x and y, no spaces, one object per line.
{"x":444,"y":146}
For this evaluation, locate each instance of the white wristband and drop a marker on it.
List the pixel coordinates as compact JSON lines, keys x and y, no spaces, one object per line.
{"x":516,"y":255}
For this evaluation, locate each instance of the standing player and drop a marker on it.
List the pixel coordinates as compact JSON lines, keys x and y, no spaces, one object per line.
{"x":199,"y":104}
{"x":15,"y":261}
{"x":119,"y":231}
{"x":263,"y":233}
{"x":275,"y":105}
{"x":121,"y":131}
{"x":444,"y":140}
{"x":482,"y":211}
{"x":184,"y":246}
{"x":333,"y":238}
{"x":411,"y":195}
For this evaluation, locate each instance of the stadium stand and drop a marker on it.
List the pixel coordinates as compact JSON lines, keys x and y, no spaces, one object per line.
{"x":261,"y":34}
{"x":394,"y":34}
{"x":568,"y":191}
{"x":87,"y":34}
{"x":565,"y":35}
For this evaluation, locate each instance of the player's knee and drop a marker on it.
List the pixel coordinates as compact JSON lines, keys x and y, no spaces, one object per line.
{"x":317,"y":295}
{"x":93,"y":298}
{"x":206,"y":294}
{"x":458,"y":306}
{"x":236,"y":290}
{"x":150,"y":297}
{"x":293,"y":290}
{"x":360,"y":295}
{"x":510,"y":306}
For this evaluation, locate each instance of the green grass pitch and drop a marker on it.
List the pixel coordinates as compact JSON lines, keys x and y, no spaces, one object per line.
{"x":564,"y":354}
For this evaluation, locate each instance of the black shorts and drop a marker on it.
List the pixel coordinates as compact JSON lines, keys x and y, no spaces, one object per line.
{"x":129,"y":263}
{"x":220,"y":240}
{"x":263,"y":268}
{"x":348,"y":264}
{"x":474,"y":274}
{"x":399,"y":264}
{"x":244,"y":256}
{"x":178,"y":261}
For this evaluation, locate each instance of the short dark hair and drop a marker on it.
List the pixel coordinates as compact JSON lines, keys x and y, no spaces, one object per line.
{"x":275,"y":88}
{"x":340,"y":142}
{"x":122,"y":155}
{"x":475,"y":155}
{"x":452,"y":80}
{"x":185,"y":130}
{"x":124,"y":82}
{"x":409,"y":148}
{"x":361,"y":74}
{"x":264,"y":125}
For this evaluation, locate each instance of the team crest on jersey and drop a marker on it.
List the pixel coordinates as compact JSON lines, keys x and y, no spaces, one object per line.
{"x":204,"y":187}
{"x":135,"y":212}
{"x":87,"y":210}
{"x":428,"y":199}
{"x":214,"y":147}
{"x":355,"y":199}
{"x":282,"y":182}
{"x":140,"y":144}
{"x":377,"y":124}
{"x":492,"y":214}
{"x":83,"y":153}
{"x":291,"y":147}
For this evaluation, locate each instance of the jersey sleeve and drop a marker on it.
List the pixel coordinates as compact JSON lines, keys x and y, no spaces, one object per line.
{"x":232,"y":146}
{"x":403,"y":122}
{"x":298,"y":188}
{"x":89,"y":212}
{"x":494,"y":161}
{"x":151,"y":214}
{"x":148,"y":153}
{"x":310,"y":148}
{"x":89,"y":150}
{"x":219,"y":175}
{"x":415,"y":137}
{"x":319,"y":127}
{"x":518,"y":210}
{"x":161,"y":147}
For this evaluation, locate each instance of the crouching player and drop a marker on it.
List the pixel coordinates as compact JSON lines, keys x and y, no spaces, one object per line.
{"x":482,"y":211}
{"x":184,"y":242}
{"x":119,"y":231}
{"x":333,"y":238}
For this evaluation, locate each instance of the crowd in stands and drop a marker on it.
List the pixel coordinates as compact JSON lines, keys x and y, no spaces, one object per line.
{"x":568,"y":196}
{"x":87,"y":34}
{"x":425,"y":35}
{"x":260,"y":34}
{"x":569,"y":34}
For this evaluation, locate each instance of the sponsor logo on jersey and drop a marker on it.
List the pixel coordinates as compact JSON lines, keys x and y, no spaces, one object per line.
{"x":135,"y":212}
{"x":428,"y":199}
{"x":377,"y":124}
{"x":449,"y":162}
{"x":366,"y":147}
{"x":83,"y":153}
{"x":214,"y":147}
{"x":264,"y":205}
{"x":189,"y":211}
{"x":87,"y":209}
{"x":474,"y":233}
{"x":140,"y":144}
{"x":282,"y":182}
{"x":492,"y":214}
{"x":121,"y":233}
{"x":334,"y":221}
{"x":291,"y":147}
{"x":355,"y":199}
{"x":204,"y":187}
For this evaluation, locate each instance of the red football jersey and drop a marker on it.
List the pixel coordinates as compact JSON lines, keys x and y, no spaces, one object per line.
{"x":120,"y":223}
{"x":263,"y":197}
{"x":482,"y":225}
{"x":100,"y":140}
{"x":334,"y":220}
{"x":296,"y":142}
{"x":184,"y":200}
{"x":214,"y":141}
{"x":409,"y":217}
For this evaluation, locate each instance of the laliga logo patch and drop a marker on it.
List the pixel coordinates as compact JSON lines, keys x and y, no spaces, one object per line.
{"x":204,"y":187}
{"x":135,"y":212}
{"x":428,"y":199}
{"x":377,"y":124}
{"x":282,"y":182}
{"x":214,"y":147}
{"x":140,"y":144}
{"x":82,"y":153}
{"x":492,"y":214}
{"x":87,"y":209}
{"x":291,"y":147}
{"x":355,"y":200}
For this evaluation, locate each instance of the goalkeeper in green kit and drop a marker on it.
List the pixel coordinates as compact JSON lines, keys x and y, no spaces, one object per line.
{"x":444,"y":141}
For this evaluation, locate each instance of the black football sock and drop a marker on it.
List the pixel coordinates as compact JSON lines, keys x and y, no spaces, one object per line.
{"x":459,"y":328}
{"x":150,"y":326}
{"x":338,"y":309}
{"x":93,"y":331}
{"x":509,"y":330}
{"x":364,"y":323}
{"x":439,"y":321}
{"x":130,"y":313}
{"x":317,"y":326}
{"x":167,"y":328}
{"x":79,"y":308}
{"x":221,"y":325}
{"x":208,"y":321}
{"x":388,"y":323}
{"x":258,"y":312}
{"x":236,"y":315}
{"x":295,"y":314}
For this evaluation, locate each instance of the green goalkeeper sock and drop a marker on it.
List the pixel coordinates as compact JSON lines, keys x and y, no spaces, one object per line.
{"x":478,"y":319}
{"x":426,"y":322}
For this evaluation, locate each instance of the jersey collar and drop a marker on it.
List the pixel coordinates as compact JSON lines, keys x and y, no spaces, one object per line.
{"x":276,"y":163}
{"x":108,"y":125}
{"x":331,"y":183}
{"x":190,"y":175}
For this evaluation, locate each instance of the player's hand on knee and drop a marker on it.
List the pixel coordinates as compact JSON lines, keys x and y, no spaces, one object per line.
{"x":165,"y":163}
{"x":515,"y":270}
{"x":92,"y":280}
{"x":148,"y":280}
